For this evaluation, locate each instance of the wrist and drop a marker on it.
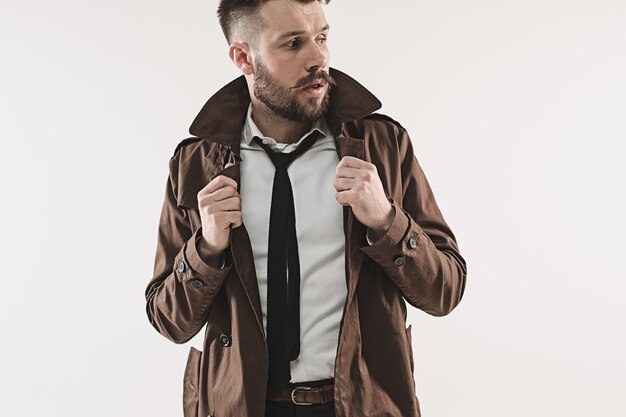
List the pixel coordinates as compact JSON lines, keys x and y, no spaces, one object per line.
{"x":209,"y":255}
{"x":382,"y":228}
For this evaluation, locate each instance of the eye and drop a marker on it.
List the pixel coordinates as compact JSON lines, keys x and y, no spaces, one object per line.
{"x":293,"y":43}
{"x":322,"y":39}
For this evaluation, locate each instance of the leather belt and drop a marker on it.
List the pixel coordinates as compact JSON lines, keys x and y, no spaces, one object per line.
{"x":302,"y":395}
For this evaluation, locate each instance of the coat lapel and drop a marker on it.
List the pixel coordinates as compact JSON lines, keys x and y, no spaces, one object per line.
{"x":352,"y":228}
{"x":241,"y":250}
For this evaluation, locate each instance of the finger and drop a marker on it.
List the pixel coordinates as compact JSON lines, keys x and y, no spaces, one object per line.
{"x":222,"y":220}
{"x":347,"y":172}
{"x":234,"y":218}
{"x":217,"y":183}
{"x":231,"y":203}
{"x":343,"y":197}
{"x":342,"y":184}
{"x":353,"y":162}
{"x":221,"y":194}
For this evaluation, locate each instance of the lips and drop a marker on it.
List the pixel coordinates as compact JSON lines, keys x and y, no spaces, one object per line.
{"x":316,"y":84}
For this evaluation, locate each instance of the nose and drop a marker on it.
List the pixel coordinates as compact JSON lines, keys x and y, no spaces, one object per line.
{"x":318,"y":57}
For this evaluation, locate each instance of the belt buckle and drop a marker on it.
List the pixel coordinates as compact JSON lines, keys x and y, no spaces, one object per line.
{"x":293,"y":395}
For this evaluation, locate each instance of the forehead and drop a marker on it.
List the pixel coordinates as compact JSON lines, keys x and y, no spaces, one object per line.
{"x":285,"y":16}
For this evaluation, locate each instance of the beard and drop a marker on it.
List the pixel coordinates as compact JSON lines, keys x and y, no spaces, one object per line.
{"x":284,"y":100}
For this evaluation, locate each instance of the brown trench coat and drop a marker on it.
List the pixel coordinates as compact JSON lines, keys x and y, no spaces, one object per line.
{"x":417,"y":259}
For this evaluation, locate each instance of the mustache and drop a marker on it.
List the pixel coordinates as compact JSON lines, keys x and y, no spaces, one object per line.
{"x":316,"y":76}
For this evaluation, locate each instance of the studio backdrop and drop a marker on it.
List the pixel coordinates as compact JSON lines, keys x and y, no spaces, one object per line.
{"x":516,"y":114}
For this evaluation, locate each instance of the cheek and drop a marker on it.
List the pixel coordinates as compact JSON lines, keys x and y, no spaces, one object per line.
{"x":287,"y":66}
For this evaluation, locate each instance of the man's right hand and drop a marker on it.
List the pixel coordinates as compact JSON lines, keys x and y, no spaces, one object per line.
{"x":219,"y":204}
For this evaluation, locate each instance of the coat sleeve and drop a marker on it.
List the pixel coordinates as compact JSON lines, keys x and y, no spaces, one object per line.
{"x":419,"y":252}
{"x":183,"y":286}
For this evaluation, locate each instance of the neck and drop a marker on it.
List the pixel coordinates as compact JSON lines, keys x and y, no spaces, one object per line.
{"x":277,"y":127}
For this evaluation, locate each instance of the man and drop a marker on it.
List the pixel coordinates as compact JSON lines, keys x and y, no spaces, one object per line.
{"x":295,"y":225}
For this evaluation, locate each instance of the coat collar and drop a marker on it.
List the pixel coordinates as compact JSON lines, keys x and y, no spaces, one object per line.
{"x":223,"y":116}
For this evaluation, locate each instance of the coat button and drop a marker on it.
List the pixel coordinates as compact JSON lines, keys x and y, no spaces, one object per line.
{"x":181,"y":266}
{"x":196,"y":283}
{"x":399,"y":261}
{"x":225,"y":339}
{"x":413,"y":242}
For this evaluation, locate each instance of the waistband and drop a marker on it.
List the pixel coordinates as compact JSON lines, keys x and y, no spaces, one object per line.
{"x":304,"y":393}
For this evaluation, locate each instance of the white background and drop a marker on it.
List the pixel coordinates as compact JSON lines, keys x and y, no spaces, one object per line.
{"x":516,"y":110}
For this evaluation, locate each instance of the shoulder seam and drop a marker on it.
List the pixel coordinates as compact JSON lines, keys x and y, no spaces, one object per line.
{"x":185,"y":142}
{"x":384,"y":117}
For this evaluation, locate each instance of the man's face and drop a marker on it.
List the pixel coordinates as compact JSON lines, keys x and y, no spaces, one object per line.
{"x":291,"y":60}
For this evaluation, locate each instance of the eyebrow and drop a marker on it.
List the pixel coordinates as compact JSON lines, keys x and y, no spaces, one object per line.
{"x":300,"y":32}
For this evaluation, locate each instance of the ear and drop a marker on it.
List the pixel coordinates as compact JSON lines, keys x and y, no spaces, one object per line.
{"x":240,"y":54}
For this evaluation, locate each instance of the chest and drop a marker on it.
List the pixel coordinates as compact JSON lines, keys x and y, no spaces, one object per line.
{"x":311,"y":175}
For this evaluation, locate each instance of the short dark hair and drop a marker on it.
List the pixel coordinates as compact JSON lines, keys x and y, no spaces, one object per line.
{"x":231,"y":11}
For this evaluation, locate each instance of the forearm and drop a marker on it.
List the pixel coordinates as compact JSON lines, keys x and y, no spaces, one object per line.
{"x":430,"y":278}
{"x":178,"y":299}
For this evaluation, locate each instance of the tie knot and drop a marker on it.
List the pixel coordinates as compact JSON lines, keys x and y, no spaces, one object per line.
{"x":283,"y":160}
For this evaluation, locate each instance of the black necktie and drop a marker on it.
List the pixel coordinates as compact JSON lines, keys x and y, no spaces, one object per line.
{"x":283,"y":306}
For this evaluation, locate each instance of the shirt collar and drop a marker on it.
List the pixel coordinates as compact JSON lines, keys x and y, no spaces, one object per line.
{"x":250,"y":130}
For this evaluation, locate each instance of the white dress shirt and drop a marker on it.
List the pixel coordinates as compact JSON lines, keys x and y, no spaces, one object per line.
{"x":321,"y":240}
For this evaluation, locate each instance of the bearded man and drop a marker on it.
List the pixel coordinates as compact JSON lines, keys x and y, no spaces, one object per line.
{"x":296,"y":225}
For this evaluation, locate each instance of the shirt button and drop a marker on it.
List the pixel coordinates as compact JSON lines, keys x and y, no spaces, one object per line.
{"x":413,"y":242}
{"x":196,"y":283}
{"x":399,"y":261}
{"x":225,"y":339}
{"x":181,"y":266}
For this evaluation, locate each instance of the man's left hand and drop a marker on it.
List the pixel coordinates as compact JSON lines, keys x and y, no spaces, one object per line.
{"x":358,"y":185}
